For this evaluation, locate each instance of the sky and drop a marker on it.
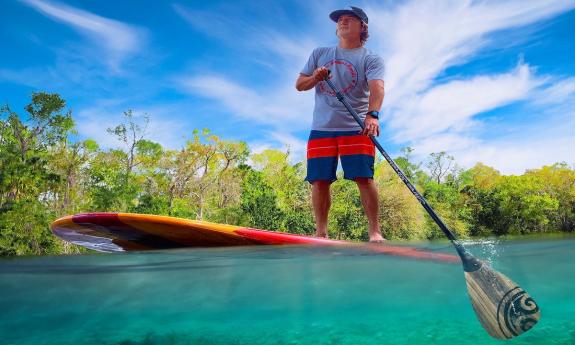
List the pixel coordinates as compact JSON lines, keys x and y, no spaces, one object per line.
{"x":485,"y":81}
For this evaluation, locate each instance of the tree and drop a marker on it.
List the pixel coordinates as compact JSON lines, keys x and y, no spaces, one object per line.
{"x":439,"y":165}
{"x":69,"y":161}
{"x":560,"y":185}
{"x":401,"y":215}
{"x":515,"y":205}
{"x":259,"y":202}
{"x":347,"y":220}
{"x":406,"y":165}
{"x":131,"y":134}
{"x":293,"y":193}
{"x":27,"y":184}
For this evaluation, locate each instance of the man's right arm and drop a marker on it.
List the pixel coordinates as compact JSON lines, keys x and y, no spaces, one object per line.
{"x":306,"y":82}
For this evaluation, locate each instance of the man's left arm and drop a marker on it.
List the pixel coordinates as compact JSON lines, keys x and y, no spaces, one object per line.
{"x":376,"y":94}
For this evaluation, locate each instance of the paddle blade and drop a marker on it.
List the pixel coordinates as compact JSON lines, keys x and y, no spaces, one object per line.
{"x":504,"y":309}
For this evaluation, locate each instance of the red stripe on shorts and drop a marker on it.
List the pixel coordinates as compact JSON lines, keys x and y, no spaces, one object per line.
{"x":325,"y":147}
{"x":356,"y":145}
{"x":357,"y":149}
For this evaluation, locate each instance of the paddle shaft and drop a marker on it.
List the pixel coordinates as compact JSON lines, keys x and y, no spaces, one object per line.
{"x":465,"y":256}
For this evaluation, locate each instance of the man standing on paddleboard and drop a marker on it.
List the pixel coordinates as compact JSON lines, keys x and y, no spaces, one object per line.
{"x":358,"y":73}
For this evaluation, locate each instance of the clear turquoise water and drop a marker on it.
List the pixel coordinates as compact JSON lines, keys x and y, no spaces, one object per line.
{"x":275,"y":295}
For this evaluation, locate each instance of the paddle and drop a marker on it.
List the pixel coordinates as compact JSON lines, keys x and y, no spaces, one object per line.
{"x":504,"y":309}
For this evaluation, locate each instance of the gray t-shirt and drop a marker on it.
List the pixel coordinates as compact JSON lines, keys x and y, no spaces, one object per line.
{"x":350,"y":71}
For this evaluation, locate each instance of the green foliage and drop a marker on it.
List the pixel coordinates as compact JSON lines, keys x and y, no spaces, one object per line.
{"x":286,"y":180}
{"x":513,"y":205}
{"x":107,"y":185}
{"x":25,"y":230}
{"x":409,"y":168}
{"x":523,"y":205}
{"x":401,"y":215}
{"x":559,"y":183}
{"x":346,"y":218}
{"x":259,"y":202}
{"x":27,"y":182}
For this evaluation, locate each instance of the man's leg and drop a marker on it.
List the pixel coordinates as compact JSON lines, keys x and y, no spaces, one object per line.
{"x":321,"y":201}
{"x":369,"y":200}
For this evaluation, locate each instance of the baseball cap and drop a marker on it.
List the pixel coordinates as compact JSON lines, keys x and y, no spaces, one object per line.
{"x":355,"y":11}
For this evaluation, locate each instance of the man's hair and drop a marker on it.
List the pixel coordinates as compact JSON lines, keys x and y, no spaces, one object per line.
{"x":364,"y":35}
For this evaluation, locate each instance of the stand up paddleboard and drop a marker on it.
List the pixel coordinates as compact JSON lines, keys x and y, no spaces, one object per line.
{"x":113,"y":232}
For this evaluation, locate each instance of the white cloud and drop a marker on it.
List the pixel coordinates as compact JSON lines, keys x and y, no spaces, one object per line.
{"x":277,"y":104}
{"x":93,"y":123}
{"x":556,"y":92}
{"x":280,"y":108}
{"x":420,"y":39}
{"x":530,"y":145}
{"x":296,"y":146}
{"x":119,"y":40}
{"x":290,"y":141}
{"x":452,"y":106}
{"x":515,"y":156}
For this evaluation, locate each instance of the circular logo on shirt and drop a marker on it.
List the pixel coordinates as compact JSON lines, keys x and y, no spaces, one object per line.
{"x":346,"y":77}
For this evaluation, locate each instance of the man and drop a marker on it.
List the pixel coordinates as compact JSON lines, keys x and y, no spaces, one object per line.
{"x":358,"y":73}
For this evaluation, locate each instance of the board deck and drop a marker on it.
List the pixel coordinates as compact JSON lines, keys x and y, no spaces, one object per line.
{"x":111,"y":232}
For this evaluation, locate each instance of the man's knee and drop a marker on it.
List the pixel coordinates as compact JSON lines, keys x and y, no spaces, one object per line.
{"x":363,"y":181}
{"x":321,"y":184}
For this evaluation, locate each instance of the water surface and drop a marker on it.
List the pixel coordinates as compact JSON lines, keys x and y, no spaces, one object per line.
{"x":276,"y":295}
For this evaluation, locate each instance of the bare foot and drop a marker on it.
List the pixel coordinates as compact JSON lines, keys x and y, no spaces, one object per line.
{"x":376,"y":238}
{"x":322,"y":234}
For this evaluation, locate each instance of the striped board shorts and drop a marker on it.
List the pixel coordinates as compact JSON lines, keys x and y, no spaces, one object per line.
{"x":356,"y":152}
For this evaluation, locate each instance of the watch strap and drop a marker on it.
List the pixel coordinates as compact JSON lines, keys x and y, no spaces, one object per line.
{"x":374,"y":114}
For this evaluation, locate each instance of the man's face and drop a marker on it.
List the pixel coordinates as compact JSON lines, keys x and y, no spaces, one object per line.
{"x":348,"y":26}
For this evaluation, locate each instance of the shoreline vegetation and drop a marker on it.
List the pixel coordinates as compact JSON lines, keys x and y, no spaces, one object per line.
{"x":45,"y":175}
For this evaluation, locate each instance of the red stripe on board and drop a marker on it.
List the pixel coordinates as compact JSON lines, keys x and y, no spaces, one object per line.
{"x":103,"y":219}
{"x":271,"y":237}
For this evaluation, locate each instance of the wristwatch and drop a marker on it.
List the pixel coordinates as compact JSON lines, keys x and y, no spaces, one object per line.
{"x":374,"y":114}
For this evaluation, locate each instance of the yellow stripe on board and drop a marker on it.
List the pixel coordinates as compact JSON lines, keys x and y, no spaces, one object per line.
{"x":184,"y":230}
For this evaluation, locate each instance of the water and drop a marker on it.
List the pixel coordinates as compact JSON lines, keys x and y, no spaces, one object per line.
{"x":275,"y":295}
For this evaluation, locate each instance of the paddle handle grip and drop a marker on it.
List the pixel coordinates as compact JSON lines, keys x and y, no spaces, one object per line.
{"x":467,"y":259}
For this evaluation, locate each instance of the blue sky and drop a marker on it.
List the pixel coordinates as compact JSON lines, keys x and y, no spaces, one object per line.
{"x":488,"y":81}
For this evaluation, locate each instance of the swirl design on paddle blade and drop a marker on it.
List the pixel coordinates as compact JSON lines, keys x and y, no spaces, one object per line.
{"x":517,"y":312}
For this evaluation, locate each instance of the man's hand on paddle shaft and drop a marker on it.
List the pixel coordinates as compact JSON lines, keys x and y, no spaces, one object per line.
{"x":307,"y":82}
{"x":371,"y":126}
{"x":320,"y":74}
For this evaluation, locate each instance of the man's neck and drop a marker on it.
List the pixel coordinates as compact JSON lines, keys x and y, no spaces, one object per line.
{"x":349,"y":43}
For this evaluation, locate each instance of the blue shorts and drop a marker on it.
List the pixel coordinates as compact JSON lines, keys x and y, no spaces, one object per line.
{"x":356,"y":151}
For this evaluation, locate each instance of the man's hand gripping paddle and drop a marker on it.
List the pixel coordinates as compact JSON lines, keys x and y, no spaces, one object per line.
{"x":504,"y":309}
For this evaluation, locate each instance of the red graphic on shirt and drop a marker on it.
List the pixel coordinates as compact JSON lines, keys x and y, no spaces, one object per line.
{"x":346,"y":78}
